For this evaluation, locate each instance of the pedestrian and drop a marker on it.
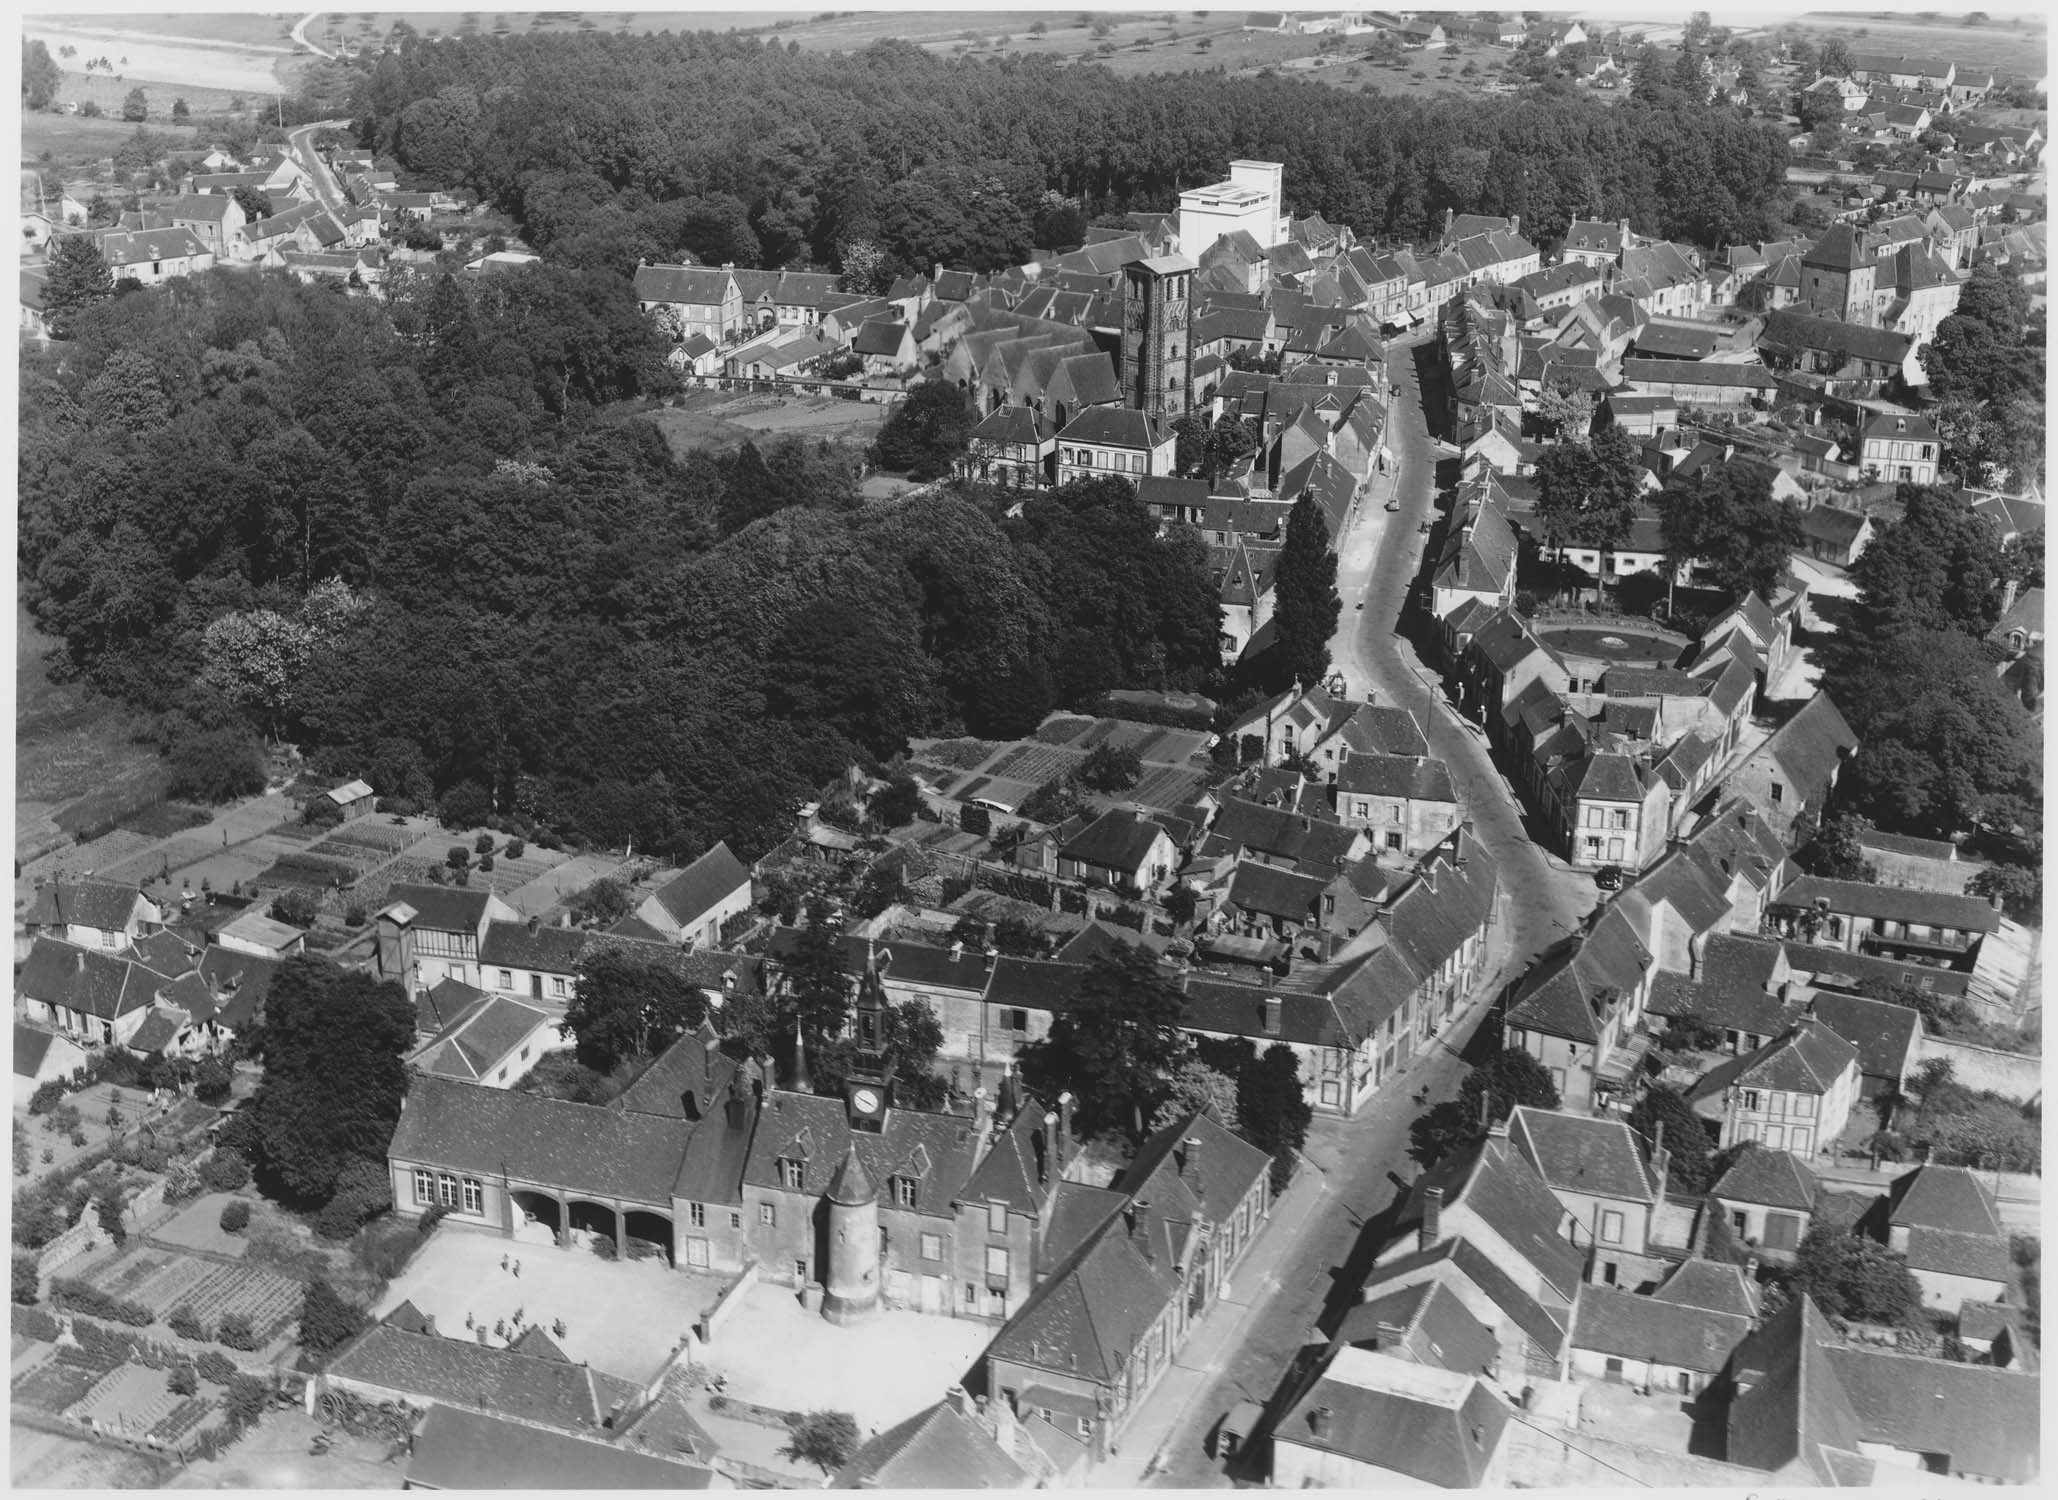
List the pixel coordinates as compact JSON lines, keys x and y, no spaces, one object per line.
{"x":503,"y":1262}
{"x":518,"y":1270}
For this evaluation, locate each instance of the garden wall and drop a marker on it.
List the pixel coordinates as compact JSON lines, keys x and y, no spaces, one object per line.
{"x":2014,"y":1075}
{"x":75,"y":1241}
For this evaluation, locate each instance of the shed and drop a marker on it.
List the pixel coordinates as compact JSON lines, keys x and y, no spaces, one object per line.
{"x":354,"y":798}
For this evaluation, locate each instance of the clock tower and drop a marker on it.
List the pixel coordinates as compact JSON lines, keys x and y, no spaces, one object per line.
{"x":869,"y":1089}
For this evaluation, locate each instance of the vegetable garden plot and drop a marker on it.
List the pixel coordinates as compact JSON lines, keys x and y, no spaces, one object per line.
{"x":387,"y":838}
{"x":60,"y":1382}
{"x":1064,"y":730}
{"x":1165,"y":786}
{"x":1034,"y":764}
{"x":270,"y":1301}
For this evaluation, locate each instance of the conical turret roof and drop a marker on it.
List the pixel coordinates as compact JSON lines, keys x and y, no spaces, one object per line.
{"x":852,"y":1185}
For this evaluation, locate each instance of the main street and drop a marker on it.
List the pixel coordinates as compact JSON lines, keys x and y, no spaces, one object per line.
{"x":301,"y":141}
{"x":1310,"y":1272}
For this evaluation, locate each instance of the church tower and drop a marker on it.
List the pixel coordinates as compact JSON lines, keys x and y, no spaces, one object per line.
{"x":1157,"y":337}
{"x":851,"y":1288}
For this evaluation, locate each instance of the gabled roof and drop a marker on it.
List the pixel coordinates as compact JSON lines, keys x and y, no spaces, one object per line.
{"x":1111,"y":426}
{"x":1808,"y":1059}
{"x":94,"y":983}
{"x":462,"y":1450}
{"x":1943,"y":1198}
{"x":1775,"y":1179}
{"x":1717,"y":1286}
{"x":699,"y":286}
{"x":1578,"y":1154}
{"x":481,"y":1039}
{"x":934,"y":1151}
{"x":1432,"y":1426}
{"x":1893,"y":903}
{"x":1884,"y":1034}
{"x":1497,"y":1183}
{"x":1627,"y":1326}
{"x":1425,"y":1322}
{"x":426,"y":1367}
{"x":702,"y":885}
{"x":98,"y":904}
{"x":441,"y":908}
{"x":1117,"y":840}
{"x":1413,"y":777}
{"x":938,"y":1448}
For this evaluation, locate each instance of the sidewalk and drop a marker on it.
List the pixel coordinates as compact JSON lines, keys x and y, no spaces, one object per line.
{"x":1167,"y":1412}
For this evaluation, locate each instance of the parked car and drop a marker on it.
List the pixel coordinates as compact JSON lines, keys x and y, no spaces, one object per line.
{"x":1393,"y":506}
{"x":1609,"y":877}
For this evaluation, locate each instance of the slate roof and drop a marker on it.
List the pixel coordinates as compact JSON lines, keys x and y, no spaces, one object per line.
{"x":119,"y":249}
{"x":1576,"y":1154}
{"x":1458,"y":1256}
{"x":1669,"y":340}
{"x":428,"y":1367}
{"x":1277,"y":893}
{"x":1628,"y":1326}
{"x":462,"y":1450}
{"x":1773,"y":1179}
{"x":1697,"y":372}
{"x":938,"y":1448}
{"x":1943,"y":1198}
{"x":31,"y":1046}
{"x":1799,"y":330}
{"x":1087,"y":1316}
{"x":533,"y":946}
{"x":1846,"y":971}
{"x":1117,"y":840}
{"x":1794,"y":1408}
{"x":1566,"y":991}
{"x":1986,"y":1420}
{"x":99,"y":904}
{"x":935,"y":1151}
{"x":1309,"y":843}
{"x":1111,"y":426}
{"x":1439,"y":1431}
{"x":1497,"y":1183}
{"x":1893,"y":903}
{"x":1734,"y":992}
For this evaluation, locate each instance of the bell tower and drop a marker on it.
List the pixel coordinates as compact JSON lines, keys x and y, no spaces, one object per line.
{"x":868,"y":1090}
{"x":1157,"y":337}
{"x":851,"y":1287}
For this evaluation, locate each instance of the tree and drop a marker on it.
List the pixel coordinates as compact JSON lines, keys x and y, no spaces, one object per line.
{"x":28,"y":1281}
{"x":1723,"y":524}
{"x":1688,"y":1140}
{"x":78,"y":279}
{"x":1308,"y":607}
{"x":627,"y":1005}
{"x":1834,"y":57}
{"x":181,"y":112}
{"x":1196,"y":1086}
{"x":817,"y":986}
{"x":1587,"y":491}
{"x":2020,"y":888}
{"x":864,"y":268}
{"x":255,"y":204}
{"x":256,"y":659}
{"x":825,"y":1439}
{"x":136,"y":106}
{"x":1835,"y":852}
{"x":40,"y":75}
{"x":327,"y":1321}
{"x":1508,"y":1078}
{"x":333,"y":1076}
{"x":603,"y":903}
{"x":216,"y":766}
{"x":927,"y":432}
{"x":1118,"y":1044}
{"x":296,"y":907}
{"x":1110,"y":767}
{"x":1855,"y":1277}
{"x":1272,"y":1108}
{"x":898,"y":802}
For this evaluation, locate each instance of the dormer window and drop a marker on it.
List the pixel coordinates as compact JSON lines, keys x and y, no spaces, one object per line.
{"x":903,"y":1191}
{"x":791,"y":1172}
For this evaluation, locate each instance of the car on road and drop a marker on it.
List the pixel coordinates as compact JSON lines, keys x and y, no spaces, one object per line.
{"x":1393,"y":505}
{"x":1609,"y":877}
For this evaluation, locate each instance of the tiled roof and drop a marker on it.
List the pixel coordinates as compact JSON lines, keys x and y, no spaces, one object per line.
{"x":440,"y":908}
{"x":481,"y":1039}
{"x":1111,"y":426}
{"x":934,"y":1151}
{"x":1425,"y":1322}
{"x":550,"y":1142}
{"x":1807,"y":1059}
{"x":1117,"y":840}
{"x":94,"y":983}
{"x":939,"y":1447}
{"x":1415,"y":778}
{"x":1380,"y":1411}
{"x":1717,"y":1286}
{"x":462,"y":1450}
{"x":1893,"y":903}
{"x":97,"y":904}
{"x":1774,"y":1179}
{"x":1503,"y":1189}
{"x":702,"y":885}
{"x":426,"y":1367}
{"x":531,"y":945}
{"x":1576,"y":1154}
{"x":1884,"y":1034}
{"x":1628,"y":1326}
{"x":1277,"y":893}
{"x":1947,"y":1198}
{"x":1735,"y":989}
{"x":1985,"y":1420}
{"x":31,"y":1046}
{"x":700,"y":286}
{"x":1696,"y":372}
{"x":1792,"y":329}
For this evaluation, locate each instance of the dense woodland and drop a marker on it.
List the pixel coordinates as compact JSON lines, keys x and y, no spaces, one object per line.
{"x":611,"y":148}
{"x":540,"y":607}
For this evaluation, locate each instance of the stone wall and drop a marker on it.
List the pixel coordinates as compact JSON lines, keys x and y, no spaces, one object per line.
{"x":2015,"y":1075}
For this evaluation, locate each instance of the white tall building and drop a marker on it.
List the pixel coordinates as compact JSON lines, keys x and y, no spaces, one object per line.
{"x":1249,"y":200}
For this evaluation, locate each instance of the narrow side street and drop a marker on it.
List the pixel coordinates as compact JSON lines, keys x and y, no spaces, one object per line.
{"x":1314,"y":1254}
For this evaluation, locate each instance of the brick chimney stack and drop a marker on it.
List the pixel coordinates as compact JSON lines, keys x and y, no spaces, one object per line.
{"x":1432,"y":1218}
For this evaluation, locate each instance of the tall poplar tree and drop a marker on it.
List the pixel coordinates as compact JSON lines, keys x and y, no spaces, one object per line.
{"x":1307,"y":607}
{"x":78,"y":278}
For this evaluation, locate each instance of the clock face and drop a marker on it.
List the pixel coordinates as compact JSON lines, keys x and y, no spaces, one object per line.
{"x":867,"y":1100}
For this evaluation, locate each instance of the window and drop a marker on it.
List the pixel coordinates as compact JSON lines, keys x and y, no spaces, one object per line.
{"x":735,"y":1218}
{"x":696,"y":1215}
{"x":1364,"y":810}
{"x":997,"y":1261}
{"x":1393,"y":841}
{"x":557,"y":986}
{"x":696,"y":1254}
{"x":1751,"y":1099}
{"x":506,"y":980}
{"x":997,"y":1218}
{"x":1835,"y":927}
{"x":109,"y":940}
{"x":446,"y":1191}
{"x":790,"y":1172}
{"x":1593,"y":817}
{"x":525,"y":1054}
{"x":903,"y":1192}
{"x":1611,"y":1227}
{"x":1775,"y":1137}
{"x":767,"y":1215}
{"x":1014,"y":1020}
{"x":971,"y":1295}
{"x":474,"y":1196}
{"x":932,"y":1247}
{"x":1739,"y":1221}
{"x":424,"y":1185}
{"x":1620,"y":818}
{"x":1778,"y":794}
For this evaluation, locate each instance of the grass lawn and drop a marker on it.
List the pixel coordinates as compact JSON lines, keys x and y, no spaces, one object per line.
{"x":723,"y":419}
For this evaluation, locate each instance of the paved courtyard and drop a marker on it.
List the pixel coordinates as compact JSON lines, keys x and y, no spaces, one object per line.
{"x":776,"y":1353}
{"x":621,"y":1317}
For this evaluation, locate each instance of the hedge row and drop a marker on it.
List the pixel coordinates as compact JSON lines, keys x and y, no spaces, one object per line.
{"x":74,"y":1295}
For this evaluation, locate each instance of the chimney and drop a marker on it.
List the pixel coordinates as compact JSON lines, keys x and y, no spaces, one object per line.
{"x":1514,"y":223}
{"x":534,"y":923}
{"x":1006,"y":1435}
{"x":1190,"y":1161}
{"x":1448,"y":216}
{"x":1275,"y":1010}
{"x":1318,"y":1419}
{"x":957,"y":951}
{"x":982,"y":1111}
{"x":1750,"y":1268}
{"x":1065,"y":1103}
{"x":1052,"y":1164}
{"x":801,"y":1082}
{"x":2007,"y":596}
{"x":1432,"y":1219}
{"x":960,"y":1400}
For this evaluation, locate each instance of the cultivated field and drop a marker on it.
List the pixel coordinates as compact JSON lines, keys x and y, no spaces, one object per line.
{"x":138,"y":51}
{"x":2010,"y":51}
{"x":722,"y":419}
